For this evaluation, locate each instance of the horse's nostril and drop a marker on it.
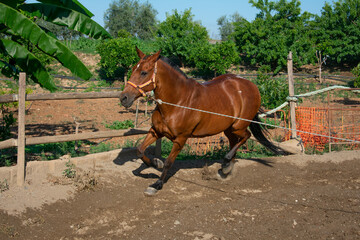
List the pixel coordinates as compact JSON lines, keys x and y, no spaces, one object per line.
{"x":123,"y":98}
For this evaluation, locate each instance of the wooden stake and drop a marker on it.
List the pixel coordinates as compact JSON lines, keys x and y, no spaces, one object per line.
{"x":291,"y":93}
{"x":21,"y":131}
{"x":137,"y":113}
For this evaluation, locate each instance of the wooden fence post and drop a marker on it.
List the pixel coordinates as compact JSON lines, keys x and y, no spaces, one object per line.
{"x":137,"y":113}
{"x":291,"y":93}
{"x":21,"y":131}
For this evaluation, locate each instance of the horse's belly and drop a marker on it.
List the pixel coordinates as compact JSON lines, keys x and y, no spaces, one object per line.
{"x":211,"y":127}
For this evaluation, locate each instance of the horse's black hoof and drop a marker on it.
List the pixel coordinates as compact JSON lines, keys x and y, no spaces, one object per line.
{"x":221,"y":176}
{"x":158,"y":163}
{"x":227,"y":168}
{"x":150,"y":191}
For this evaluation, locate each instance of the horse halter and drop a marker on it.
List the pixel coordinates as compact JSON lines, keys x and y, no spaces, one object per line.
{"x":152,"y":80}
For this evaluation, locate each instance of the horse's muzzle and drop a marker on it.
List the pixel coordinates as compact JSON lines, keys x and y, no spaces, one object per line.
{"x":126,"y":99}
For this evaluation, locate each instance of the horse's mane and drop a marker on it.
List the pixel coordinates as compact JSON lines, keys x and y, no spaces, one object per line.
{"x":171,"y":64}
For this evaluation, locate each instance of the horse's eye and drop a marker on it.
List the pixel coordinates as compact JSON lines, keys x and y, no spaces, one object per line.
{"x":143,"y":73}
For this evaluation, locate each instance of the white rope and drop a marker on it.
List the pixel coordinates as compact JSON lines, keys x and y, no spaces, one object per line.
{"x":159,"y":101}
{"x":296,"y":97}
{"x":274,"y":110}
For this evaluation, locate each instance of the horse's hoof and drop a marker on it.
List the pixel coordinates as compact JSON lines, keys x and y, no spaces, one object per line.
{"x":221,"y":176}
{"x":227,"y":169}
{"x":158,"y":163}
{"x":150,"y":191}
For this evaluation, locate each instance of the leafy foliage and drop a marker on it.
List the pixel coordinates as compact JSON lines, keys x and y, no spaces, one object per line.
{"x":73,"y":20}
{"x":226,"y":25}
{"x":69,"y":171}
{"x":356,"y":72}
{"x":50,"y":151}
{"x":278,"y":28}
{"x":23,"y":39}
{"x":136,"y":18}
{"x":216,"y":58}
{"x":5,"y":124}
{"x":117,"y":56}
{"x":120,"y":124}
{"x":337,"y":32}
{"x":273,"y":90}
{"x":103,"y":147}
{"x":179,"y":34}
{"x":84,"y":44}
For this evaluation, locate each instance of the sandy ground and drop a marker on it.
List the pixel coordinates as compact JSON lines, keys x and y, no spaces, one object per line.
{"x":293,"y":197}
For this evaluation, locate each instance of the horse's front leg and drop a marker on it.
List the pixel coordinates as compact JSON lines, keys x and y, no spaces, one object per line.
{"x":178,"y":144}
{"x":150,"y":138}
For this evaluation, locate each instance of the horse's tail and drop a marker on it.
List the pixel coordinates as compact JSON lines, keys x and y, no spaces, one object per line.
{"x":259,"y":133}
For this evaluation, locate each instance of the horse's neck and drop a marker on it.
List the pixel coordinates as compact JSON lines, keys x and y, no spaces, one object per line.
{"x":172,"y":85}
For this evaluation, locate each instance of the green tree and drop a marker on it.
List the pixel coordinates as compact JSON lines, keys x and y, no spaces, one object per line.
{"x":226,"y":25}
{"x":61,"y":32}
{"x":337,"y":32}
{"x":215,"y":59}
{"x":179,"y":34}
{"x":21,"y":37}
{"x":136,"y":18}
{"x":278,"y":28}
{"x":356,"y":72}
{"x":117,"y":56}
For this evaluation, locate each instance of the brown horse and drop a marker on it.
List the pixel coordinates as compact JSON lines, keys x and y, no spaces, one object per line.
{"x":226,"y":94}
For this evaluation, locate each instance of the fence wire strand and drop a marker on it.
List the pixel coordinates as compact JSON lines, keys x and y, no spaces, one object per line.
{"x":159,"y":101}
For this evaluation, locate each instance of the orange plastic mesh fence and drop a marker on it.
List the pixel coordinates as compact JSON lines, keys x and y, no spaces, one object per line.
{"x":340,"y":122}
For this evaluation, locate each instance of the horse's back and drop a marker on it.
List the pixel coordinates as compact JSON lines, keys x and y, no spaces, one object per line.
{"x":230,"y":84}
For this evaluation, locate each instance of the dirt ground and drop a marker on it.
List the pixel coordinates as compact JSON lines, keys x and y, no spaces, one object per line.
{"x":294,"y":197}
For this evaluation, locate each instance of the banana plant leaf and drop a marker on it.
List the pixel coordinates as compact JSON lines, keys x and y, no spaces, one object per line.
{"x":70,"y":4}
{"x":12,"y":3}
{"x":66,"y":17}
{"x":28,"y":62}
{"x":24,"y":27}
{"x":8,"y":70}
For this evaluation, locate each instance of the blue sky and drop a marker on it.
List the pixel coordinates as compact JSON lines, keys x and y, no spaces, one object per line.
{"x":206,"y":11}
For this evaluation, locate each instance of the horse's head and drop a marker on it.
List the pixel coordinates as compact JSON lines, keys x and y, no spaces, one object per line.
{"x":142,"y":79}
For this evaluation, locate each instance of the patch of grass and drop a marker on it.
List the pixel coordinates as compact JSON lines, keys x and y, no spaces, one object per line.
{"x":103,"y":147}
{"x":69,"y":171}
{"x":50,"y":151}
{"x":120,"y":124}
{"x":8,"y":157}
{"x":257,"y":151}
{"x":272,"y":122}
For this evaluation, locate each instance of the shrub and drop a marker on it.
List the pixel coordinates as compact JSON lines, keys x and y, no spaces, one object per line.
{"x":121,"y":124}
{"x":117,"y":56}
{"x":86,"y":45}
{"x":273,"y":90}
{"x":103,"y":147}
{"x":356,"y":72}
{"x":215,"y":59}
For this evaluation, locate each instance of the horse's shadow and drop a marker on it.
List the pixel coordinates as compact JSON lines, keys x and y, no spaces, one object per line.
{"x":130,"y":155}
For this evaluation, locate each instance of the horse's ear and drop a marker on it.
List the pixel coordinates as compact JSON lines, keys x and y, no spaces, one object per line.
{"x":140,"y":53}
{"x":157,"y":55}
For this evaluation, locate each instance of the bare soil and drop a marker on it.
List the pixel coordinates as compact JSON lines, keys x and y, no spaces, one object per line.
{"x":294,"y":197}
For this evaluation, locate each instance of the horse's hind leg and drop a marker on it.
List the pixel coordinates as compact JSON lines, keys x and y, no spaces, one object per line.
{"x":236,"y":139}
{"x":150,"y":138}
